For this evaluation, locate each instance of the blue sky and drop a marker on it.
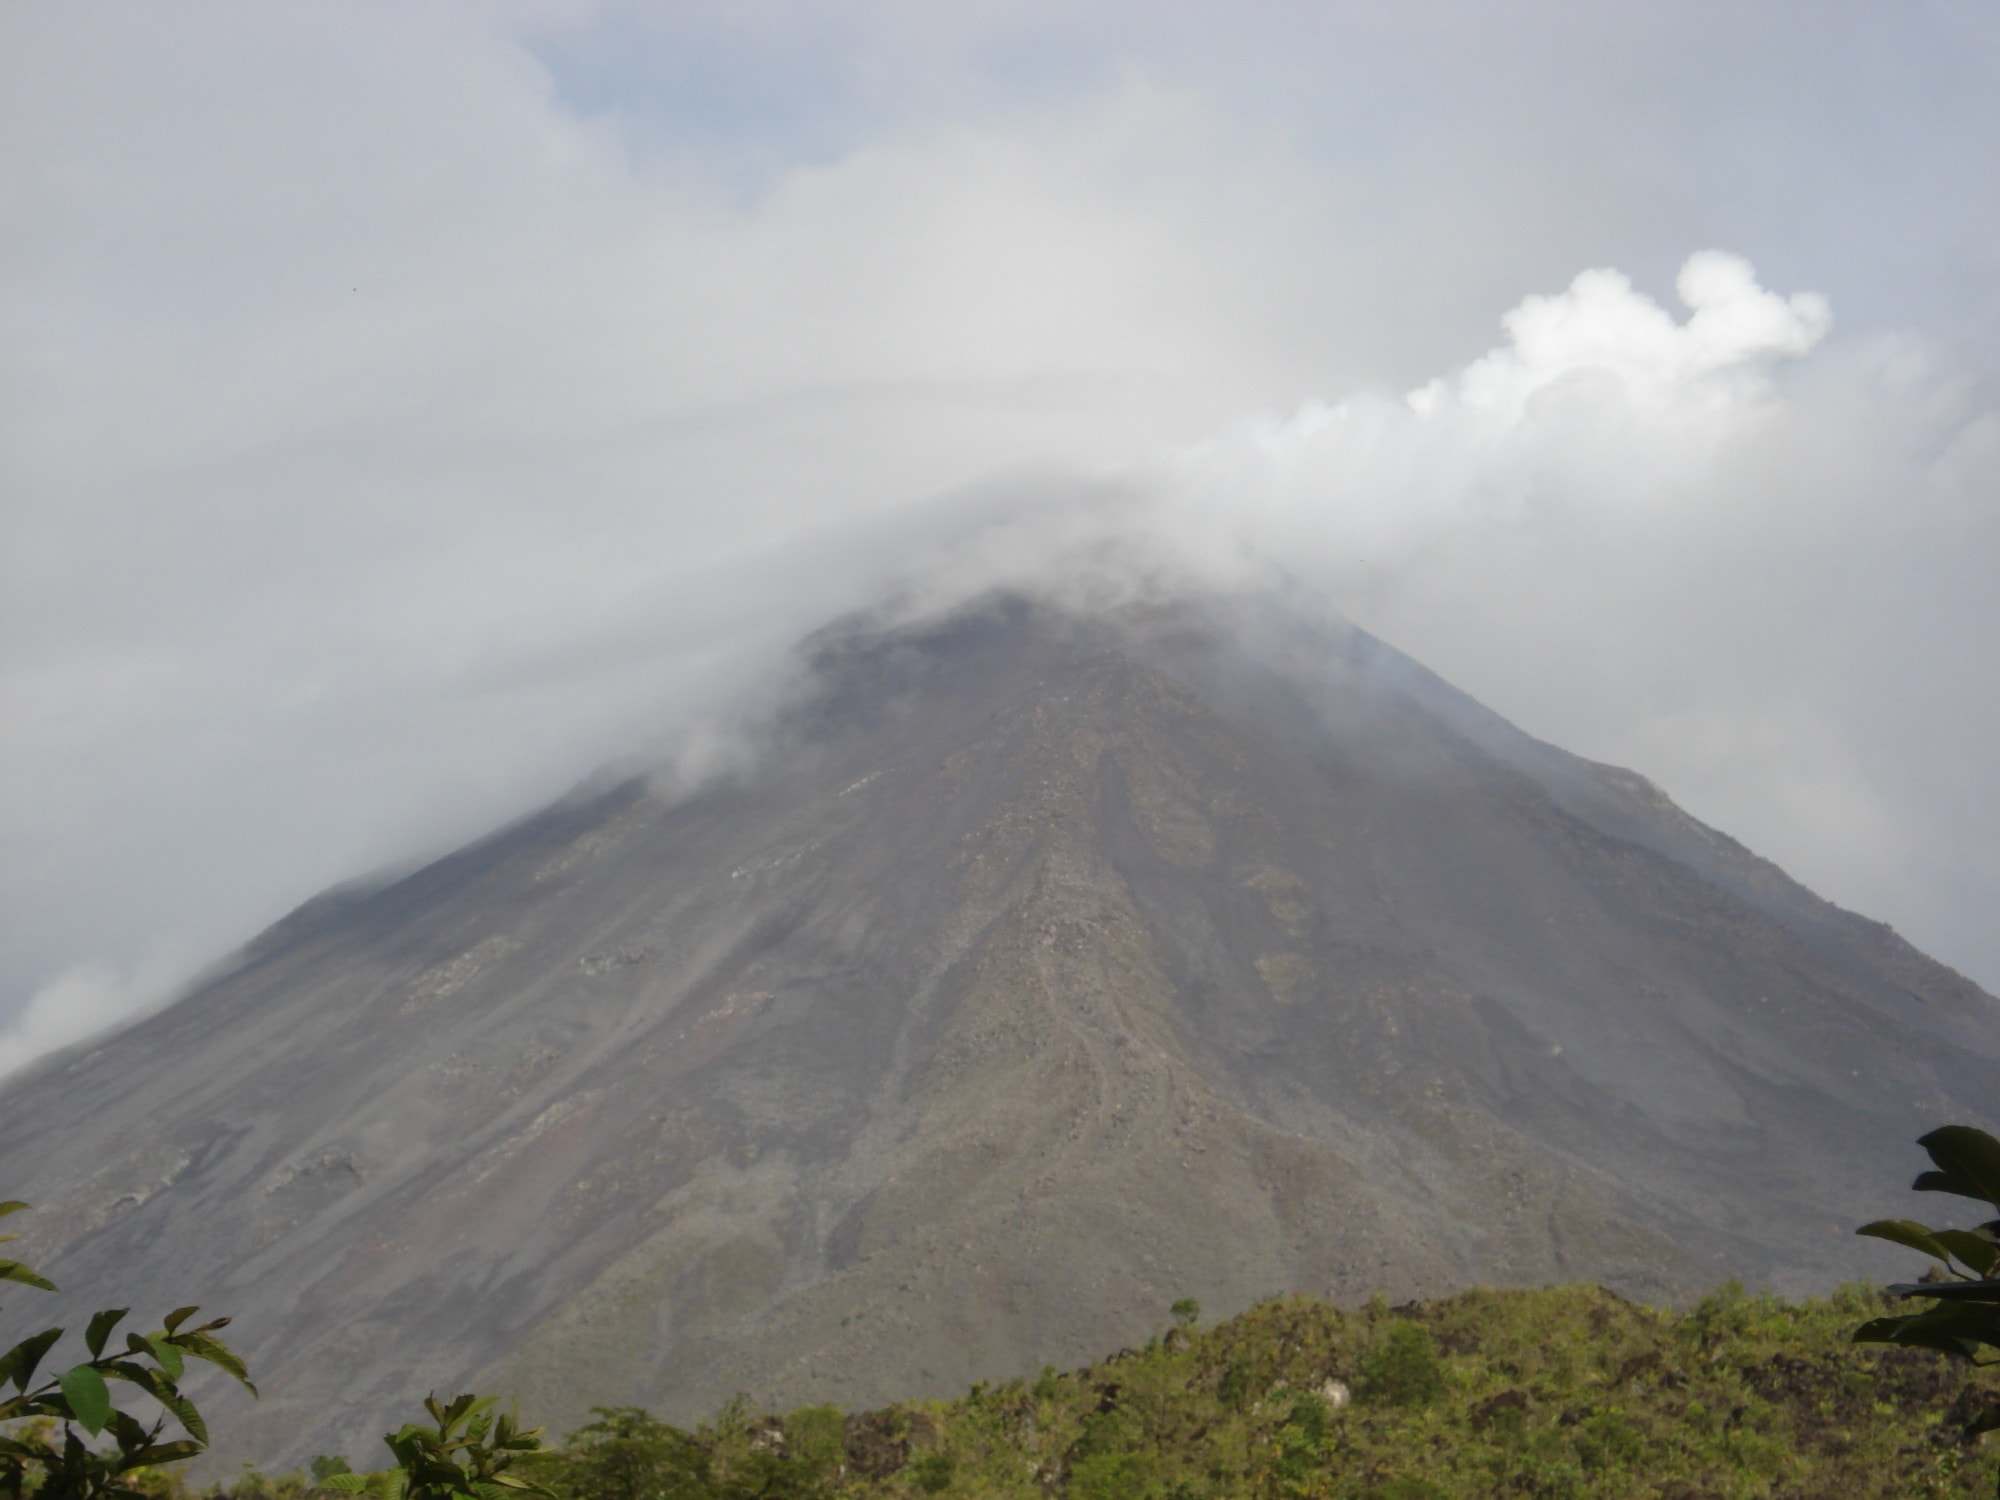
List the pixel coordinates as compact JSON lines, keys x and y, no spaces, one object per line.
{"x":409,"y":406}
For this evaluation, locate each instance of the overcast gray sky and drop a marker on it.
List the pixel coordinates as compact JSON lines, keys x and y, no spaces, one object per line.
{"x":409,"y":406}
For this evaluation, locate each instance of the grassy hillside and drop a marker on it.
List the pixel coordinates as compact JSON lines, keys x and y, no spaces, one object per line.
{"x":1569,"y":1391}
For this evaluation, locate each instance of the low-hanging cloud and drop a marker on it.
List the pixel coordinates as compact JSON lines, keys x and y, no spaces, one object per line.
{"x":376,"y":472}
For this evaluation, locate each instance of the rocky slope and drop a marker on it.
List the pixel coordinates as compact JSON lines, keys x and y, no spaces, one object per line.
{"x":1044,"y":969}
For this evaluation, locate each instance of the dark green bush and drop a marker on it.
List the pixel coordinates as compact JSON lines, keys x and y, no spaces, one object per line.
{"x":1403,"y":1370}
{"x":933,"y":1472}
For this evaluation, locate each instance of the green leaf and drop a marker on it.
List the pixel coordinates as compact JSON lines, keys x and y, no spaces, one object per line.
{"x":179,"y":1316}
{"x":145,"y":1377}
{"x":217,"y":1353}
{"x":100,"y":1329}
{"x":1910,"y":1233}
{"x":1978,"y":1321}
{"x":13,"y":1270}
{"x":184,"y":1413}
{"x":1968,"y":1163}
{"x":516,"y":1482}
{"x":165,"y":1453}
{"x":89,"y":1399}
{"x":1901,"y":1331}
{"x":168,"y":1356}
{"x":1947,"y":1291}
{"x":128,"y":1430}
{"x":1974,"y":1250}
{"x":1958,"y":1328}
{"x":20,"y":1362}
{"x":11,"y":1206}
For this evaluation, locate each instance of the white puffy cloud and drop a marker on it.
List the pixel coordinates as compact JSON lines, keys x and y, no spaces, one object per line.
{"x":1601,"y":328}
{"x":1598,"y":404}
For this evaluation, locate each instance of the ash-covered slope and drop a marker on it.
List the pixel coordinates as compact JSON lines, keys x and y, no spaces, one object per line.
{"x":1046,"y":969}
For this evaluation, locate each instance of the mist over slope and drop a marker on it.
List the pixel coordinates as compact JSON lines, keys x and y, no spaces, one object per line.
{"x":374,"y":475}
{"x":1043,"y":967}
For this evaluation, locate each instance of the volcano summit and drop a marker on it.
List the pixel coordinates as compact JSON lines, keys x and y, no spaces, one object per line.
{"x":1044,"y":968}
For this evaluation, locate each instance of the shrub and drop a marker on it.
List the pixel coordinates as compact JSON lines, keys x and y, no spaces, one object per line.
{"x":626,"y":1454}
{"x":469,"y":1454}
{"x":933,"y":1472}
{"x":1403,"y":1370}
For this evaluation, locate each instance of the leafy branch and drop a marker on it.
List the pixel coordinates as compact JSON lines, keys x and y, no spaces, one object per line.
{"x":469,"y":1454}
{"x":57,"y":1463}
{"x":1963,"y":1289}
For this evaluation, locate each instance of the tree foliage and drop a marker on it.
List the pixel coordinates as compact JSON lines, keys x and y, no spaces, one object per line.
{"x":1404,"y":1369}
{"x":1963,"y":1290}
{"x":627,"y":1454}
{"x":57,"y":1450}
{"x":468,"y":1452}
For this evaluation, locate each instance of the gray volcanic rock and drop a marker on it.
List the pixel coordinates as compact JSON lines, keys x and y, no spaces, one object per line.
{"x":1044,"y":970}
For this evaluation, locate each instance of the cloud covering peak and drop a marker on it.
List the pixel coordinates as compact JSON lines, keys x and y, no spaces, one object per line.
{"x":375,"y":471}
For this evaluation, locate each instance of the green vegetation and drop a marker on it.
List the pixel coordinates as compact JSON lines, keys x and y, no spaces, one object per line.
{"x":1964,"y":1287}
{"x":468,"y":1453}
{"x":1563,"y":1392}
{"x":1964,"y":1315}
{"x":49,"y":1448}
{"x":1556,"y":1394}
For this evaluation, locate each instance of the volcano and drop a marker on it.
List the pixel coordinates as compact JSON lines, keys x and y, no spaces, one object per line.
{"x":1041,"y":968}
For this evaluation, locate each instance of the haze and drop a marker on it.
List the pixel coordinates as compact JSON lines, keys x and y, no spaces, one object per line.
{"x":409,"y":407}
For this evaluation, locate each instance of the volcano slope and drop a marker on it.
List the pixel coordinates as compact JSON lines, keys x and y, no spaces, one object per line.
{"x":1044,"y":970}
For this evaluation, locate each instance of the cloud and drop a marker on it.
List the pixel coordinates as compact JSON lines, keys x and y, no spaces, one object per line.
{"x":409,"y":406}
{"x":1602,"y":327}
{"x":376,"y":471}
{"x":1713,"y":547}
{"x":1692,"y":546}
{"x":1599,"y":409}
{"x":80,"y":1001}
